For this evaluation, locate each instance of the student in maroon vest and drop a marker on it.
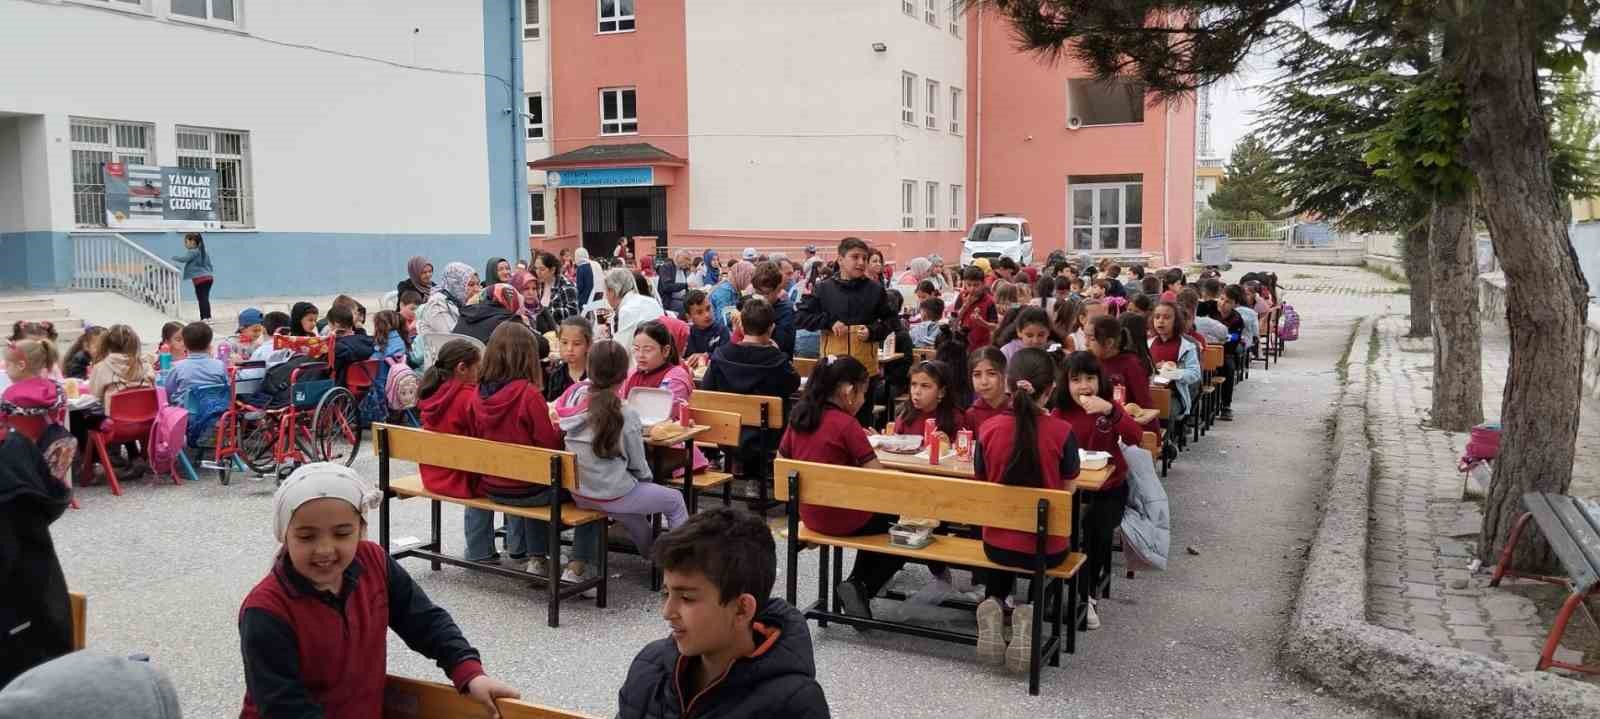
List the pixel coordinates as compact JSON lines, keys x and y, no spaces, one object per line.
{"x":314,"y":631}
{"x":932,"y":396}
{"x":1022,"y":448}
{"x":988,"y":387}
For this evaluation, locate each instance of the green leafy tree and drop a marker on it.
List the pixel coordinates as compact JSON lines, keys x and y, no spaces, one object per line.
{"x":1248,"y":190}
{"x":1494,"y":50}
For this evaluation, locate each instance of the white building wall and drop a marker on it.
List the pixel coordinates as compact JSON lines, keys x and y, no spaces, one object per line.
{"x":921,"y":154}
{"x":793,"y":118}
{"x":337,"y":144}
{"x":11,"y":185}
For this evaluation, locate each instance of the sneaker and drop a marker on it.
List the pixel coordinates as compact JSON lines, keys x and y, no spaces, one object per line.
{"x":991,"y":632}
{"x":491,"y":559}
{"x":537,"y":567}
{"x":1226,"y":415}
{"x":1021,"y":647}
{"x":855,"y":600}
{"x":1091,"y":618}
{"x":571,"y":577}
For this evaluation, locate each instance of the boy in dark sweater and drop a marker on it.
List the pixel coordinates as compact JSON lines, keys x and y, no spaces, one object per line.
{"x":734,"y":651}
{"x":705,"y":334}
{"x":755,"y":366}
{"x":349,"y":346}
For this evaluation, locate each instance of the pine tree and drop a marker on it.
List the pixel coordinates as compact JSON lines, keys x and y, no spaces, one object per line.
{"x":1248,"y":190}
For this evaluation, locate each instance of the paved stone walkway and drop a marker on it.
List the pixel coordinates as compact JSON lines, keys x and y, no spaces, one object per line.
{"x":1423,"y":533}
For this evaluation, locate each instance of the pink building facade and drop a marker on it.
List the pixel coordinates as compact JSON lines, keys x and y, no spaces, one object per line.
{"x":732,"y":125}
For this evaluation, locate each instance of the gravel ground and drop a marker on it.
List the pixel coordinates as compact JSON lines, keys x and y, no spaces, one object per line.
{"x":165,"y":569}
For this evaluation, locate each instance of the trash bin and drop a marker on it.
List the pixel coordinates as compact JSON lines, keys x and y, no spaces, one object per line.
{"x":1214,"y":251}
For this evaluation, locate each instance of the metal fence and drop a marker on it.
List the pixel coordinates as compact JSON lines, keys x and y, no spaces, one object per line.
{"x":1245,"y":230}
{"x":109,"y":262}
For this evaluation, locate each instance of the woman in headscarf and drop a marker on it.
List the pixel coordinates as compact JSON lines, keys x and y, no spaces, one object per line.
{"x":713,"y":274}
{"x":497,"y":271}
{"x":725,"y":296}
{"x":938,"y":273}
{"x":916,"y":271}
{"x":527,"y":285}
{"x":586,"y":277}
{"x":442,"y":311}
{"x":419,"y":279}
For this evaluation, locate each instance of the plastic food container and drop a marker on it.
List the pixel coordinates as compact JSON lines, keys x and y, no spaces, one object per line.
{"x":912,"y":536}
{"x":652,"y":403}
{"x":1093,"y":460}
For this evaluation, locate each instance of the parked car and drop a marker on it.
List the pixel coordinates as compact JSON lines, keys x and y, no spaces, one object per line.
{"x":999,"y":236}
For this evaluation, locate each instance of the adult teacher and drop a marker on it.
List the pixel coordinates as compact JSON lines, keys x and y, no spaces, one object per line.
{"x":419,"y":279}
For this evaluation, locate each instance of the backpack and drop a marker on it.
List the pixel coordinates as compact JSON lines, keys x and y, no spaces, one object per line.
{"x":1289,"y":330}
{"x":274,"y":392}
{"x":167,"y":437}
{"x":400,"y":391}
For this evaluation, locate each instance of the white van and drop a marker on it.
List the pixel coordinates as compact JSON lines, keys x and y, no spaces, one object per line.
{"x":999,"y":236}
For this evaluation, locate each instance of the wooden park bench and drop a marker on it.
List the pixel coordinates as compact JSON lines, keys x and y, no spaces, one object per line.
{"x":1572,"y":528}
{"x":405,"y":698}
{"x":1210,"y":384}
{"x":1045,"y":513}
{"x":762,"y":413}
{"x":518,"y":462}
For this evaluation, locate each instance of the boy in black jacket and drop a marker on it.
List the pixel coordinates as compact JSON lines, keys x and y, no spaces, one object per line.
{"x":734,"y":651}
{"x":851,"y":300}
{"x":36,"y":614}
{"x":755,"y":366}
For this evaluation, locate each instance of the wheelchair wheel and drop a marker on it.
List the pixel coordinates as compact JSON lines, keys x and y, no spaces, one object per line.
{"x":256,"y":446}
{"x":336,"y":428}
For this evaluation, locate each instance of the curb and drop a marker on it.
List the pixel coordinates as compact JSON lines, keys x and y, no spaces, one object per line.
{"x":1330,"y":641}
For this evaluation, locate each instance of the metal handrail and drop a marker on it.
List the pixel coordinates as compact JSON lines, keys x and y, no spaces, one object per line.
{"x":107,"y":261}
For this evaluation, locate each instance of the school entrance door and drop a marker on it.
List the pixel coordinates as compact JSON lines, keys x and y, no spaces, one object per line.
{"x":611,"y":213}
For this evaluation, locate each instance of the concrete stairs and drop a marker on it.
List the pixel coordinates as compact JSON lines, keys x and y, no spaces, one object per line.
{"x":40,"y":308}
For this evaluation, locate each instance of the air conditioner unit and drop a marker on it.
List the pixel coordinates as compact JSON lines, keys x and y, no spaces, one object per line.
{"x":1074,"y":122}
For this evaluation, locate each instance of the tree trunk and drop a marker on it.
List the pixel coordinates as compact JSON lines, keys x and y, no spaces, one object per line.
{"x":1417,"y":273}
{"x":1508,"y":149}
{"x":1457,"y":342}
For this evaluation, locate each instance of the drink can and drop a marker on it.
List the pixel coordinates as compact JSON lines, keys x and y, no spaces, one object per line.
{"x":685,"y":415}
{"x":1119,"y":395}
{"x":964,"y":445}
{"x":166,"y":360}
{"x":931,"y":435}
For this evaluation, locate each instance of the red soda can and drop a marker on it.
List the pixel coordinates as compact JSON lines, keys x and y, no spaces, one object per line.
{"x":685,"y":415}
{"x":930,"y":434}
{"x":1119,"y":395}
{"x":964,"y":445}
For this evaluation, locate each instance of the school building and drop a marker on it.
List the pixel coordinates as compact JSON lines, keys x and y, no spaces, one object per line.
{"x":723,"y":124}
{"x":319,"y":144}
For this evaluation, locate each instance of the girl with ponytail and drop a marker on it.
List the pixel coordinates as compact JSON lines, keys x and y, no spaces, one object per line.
{"x":1023,"y":448}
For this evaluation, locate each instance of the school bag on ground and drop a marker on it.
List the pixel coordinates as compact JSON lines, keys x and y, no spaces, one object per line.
{"x":1289,"y":330}
{"x":167,"y":437}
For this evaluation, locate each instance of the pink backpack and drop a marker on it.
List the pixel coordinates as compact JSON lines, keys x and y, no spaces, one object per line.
{"x":1289,"y":329}
{"x":167,"y":438}
{"x":400,"y":391}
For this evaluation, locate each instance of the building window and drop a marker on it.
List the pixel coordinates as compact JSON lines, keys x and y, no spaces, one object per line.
{"x":616,"y":15}
{"x":1106,"y":216}
{"x":536,"y":226}
{"x":955,"y":17}
{"x":1118,"y":101}
{"x":908,"y":98}
{"x":909,"y":7}
{"x":95,"y":143}
{"x":930,"y":12}
{"x":958,"y":110}
{"x":958,"y":205}
{"x":932,"y":120}
{"x":535,"y":116}
{"x":908,"y":204}
{"x":619,"y":111}
{"x":222,"y":11}
{"x":930,"y":220}
{"x":227,"y":152}
{"x":530,"y":19}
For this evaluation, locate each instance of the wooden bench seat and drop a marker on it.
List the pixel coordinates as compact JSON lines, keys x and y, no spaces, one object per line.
{"x":951,"y":550}
{"x":571,"y":514}
{"x":548,"y":468}
{"x":405,"y":698}
{"x":1045,"y":514}
{"x":729,"y":414}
